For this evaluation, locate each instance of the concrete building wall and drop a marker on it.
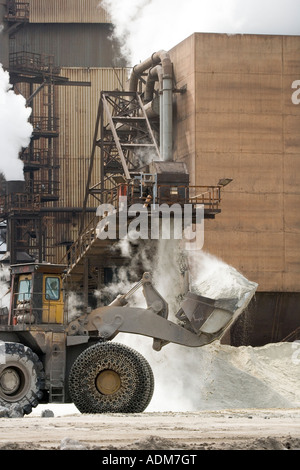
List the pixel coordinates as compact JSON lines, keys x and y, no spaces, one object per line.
{"x":237,"y":120}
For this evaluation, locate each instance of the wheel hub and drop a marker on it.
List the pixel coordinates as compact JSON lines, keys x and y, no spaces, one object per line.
{"x":10,"y":381}
{"x":108,"y":382}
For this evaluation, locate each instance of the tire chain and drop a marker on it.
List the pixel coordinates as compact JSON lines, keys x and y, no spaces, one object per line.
{"x":137,"y":381}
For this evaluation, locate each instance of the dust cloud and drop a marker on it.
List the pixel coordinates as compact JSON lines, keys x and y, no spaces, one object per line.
{"x":215,"y":376}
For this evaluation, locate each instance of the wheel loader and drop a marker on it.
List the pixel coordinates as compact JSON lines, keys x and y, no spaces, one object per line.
{"x":47,"y":357}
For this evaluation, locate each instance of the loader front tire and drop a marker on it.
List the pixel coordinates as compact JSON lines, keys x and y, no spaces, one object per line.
{"x":21,"y":378}
{"x":111,"y":378}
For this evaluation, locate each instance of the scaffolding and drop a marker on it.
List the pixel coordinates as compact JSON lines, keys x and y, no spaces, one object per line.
{"x":28,"y":209}
{"x":30,"y":231}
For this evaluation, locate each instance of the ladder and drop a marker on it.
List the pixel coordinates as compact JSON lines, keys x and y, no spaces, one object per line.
{"x":57,"y":368}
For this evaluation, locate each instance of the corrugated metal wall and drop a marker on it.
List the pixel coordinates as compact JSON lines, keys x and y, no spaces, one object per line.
{"x":72,"y":45}
{"x":67,"y":11}
{"x":77,"y":118}
{"x":77,"y":112}
{"x":4,"y":49}
{"x":76,"y":108}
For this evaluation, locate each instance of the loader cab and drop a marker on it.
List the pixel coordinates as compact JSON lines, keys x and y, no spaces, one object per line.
{"x":37,"y":294}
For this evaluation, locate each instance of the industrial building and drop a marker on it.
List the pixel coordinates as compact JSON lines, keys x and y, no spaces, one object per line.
{"x":46,"y":47}
{"x":238,"y":120}
{"x":233,"y":118}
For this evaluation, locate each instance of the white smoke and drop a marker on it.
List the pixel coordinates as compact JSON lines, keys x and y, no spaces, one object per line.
{"x":74,"y":306}
{"x":15,"y":130}
{"x":146,"y":26}
{"x":4,"y":286}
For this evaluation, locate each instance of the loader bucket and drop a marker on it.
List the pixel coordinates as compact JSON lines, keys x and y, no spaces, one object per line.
{"x":212,"y":316}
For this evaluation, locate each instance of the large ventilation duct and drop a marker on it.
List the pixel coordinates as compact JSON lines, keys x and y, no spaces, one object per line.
{"x":161,"y":70}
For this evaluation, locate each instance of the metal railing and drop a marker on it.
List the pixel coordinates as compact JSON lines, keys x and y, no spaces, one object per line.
{"x":42,"y":124}
{"x":81,"y":245}
{"x":42,"y":188}
{"x":209,"y":196}
{"x":31,"y":61}
{"x":39,"y":158}
{"x":17,"y":11}
{"x":29,"y":201}
{"x":20,"y":202}
{"x":28,"y":312}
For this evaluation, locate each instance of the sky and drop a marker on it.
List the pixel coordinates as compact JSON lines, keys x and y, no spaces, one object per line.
{"x":146,"y":26}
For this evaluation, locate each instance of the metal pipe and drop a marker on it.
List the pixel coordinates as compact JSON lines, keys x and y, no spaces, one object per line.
{"x":161,"y":121}
{"x":167,"y":115}
{"x":164,"y":74}
{"x":156,"y":74}
{"x":151,"y":109}
{"x":138,"y":69}
{"x":167,"y":118}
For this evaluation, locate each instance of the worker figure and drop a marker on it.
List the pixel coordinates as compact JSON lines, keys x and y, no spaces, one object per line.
{"x":147,"y":196}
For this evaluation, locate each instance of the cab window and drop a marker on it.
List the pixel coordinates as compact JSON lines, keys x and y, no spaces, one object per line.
{"x":52,"y":288}
{"x":24,"y":290}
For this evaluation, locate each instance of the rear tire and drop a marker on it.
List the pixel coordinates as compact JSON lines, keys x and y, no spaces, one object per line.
{"x":111,"y":378}
{"x":21,"y":378}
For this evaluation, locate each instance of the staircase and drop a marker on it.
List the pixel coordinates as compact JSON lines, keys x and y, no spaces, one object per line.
{"x":86,"y":247}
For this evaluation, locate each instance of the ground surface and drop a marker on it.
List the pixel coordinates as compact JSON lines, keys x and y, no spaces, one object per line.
{"x":254,"y":390}
{"x":247,"y":429}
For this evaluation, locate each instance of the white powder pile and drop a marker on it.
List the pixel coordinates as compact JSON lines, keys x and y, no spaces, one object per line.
{"x":217,"y":376}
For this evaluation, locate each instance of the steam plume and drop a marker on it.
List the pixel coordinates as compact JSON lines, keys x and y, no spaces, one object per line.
{"x":15,"y":130}
{"x":146,"y":26}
